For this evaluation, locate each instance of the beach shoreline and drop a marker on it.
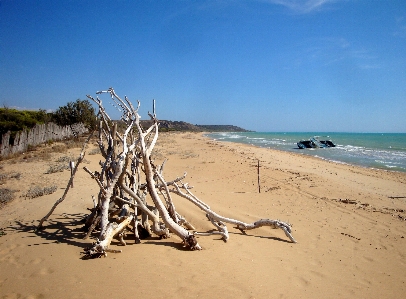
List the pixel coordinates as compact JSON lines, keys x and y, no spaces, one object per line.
{"x":348,"y":221}
{"x":371,"y":150}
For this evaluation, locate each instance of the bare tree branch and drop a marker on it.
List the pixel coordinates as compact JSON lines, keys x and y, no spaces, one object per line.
{"x":125,"y":178}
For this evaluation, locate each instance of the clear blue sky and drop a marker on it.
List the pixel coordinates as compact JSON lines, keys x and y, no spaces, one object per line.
{"x":264,"y":65}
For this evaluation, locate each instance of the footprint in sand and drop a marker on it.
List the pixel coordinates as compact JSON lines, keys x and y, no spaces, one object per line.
{"x":12,"y":295}
{"x":46,"y":271}
{"x":368,"y":258}
{"x":316,"y":262}
{"x":14,"y":260}
{"x":42,"y":272}
{"x":10,"y":255}
{"x":300,"y":281}
{"x":34,"y":261}
{"x":317,"y":273}
{"x":18,"y":295}
{"x":9,"y":248}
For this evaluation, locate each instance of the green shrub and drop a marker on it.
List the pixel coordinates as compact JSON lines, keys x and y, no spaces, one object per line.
{"x":14,"y":120}
{"x":80,"y":111}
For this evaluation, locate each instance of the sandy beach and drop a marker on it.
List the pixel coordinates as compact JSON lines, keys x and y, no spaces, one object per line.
{"x":349,"y":223}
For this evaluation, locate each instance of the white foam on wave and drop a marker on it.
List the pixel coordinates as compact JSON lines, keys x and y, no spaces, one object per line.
{"x":255,"y":138}
{"x":343,"y":153}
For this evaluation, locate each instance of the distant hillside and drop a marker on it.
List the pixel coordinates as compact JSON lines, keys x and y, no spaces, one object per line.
{"x":168,"y":125}
{"x":221,"y":128}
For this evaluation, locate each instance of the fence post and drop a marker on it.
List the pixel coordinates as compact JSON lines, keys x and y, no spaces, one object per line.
{"x":35,"y":136}
{"x":259,"y":185}
{"x":72,"y":166}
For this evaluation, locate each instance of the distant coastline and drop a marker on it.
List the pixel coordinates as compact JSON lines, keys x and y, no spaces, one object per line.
{"x":168,"y":125}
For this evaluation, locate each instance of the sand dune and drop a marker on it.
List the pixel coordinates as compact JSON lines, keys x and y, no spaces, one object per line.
{"x":348,"y":221}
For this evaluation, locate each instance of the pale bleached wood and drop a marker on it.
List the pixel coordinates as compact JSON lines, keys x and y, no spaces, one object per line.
{"x":127,"y":175}
{"x":188,"y":239}
{"x":239,"y":224}
{"x":101,"y":246}
{"x":70,"y":183}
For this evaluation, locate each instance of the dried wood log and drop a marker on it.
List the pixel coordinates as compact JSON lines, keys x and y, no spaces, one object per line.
{"x":95,"y":222}
{"x":221,"y":219}
{"x":127,"y":175}
{"x":101,"y":246}
{"x":188,"y":238}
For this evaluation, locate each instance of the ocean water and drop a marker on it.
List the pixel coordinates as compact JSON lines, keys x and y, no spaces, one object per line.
{"x":375,"y":150}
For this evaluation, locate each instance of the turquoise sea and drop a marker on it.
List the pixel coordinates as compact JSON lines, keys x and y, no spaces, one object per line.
{"x":375,"y":150}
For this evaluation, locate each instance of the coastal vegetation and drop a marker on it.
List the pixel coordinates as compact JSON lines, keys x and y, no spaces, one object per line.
{"x":21,"y":130}
{"x":13,"y":120}
{"x":82,"y":111}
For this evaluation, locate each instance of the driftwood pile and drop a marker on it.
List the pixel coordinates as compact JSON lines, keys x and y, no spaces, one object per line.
{"x":134,"y":195}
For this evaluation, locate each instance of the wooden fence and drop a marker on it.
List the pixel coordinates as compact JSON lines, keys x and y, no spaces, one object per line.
{"x":38,"y":135}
